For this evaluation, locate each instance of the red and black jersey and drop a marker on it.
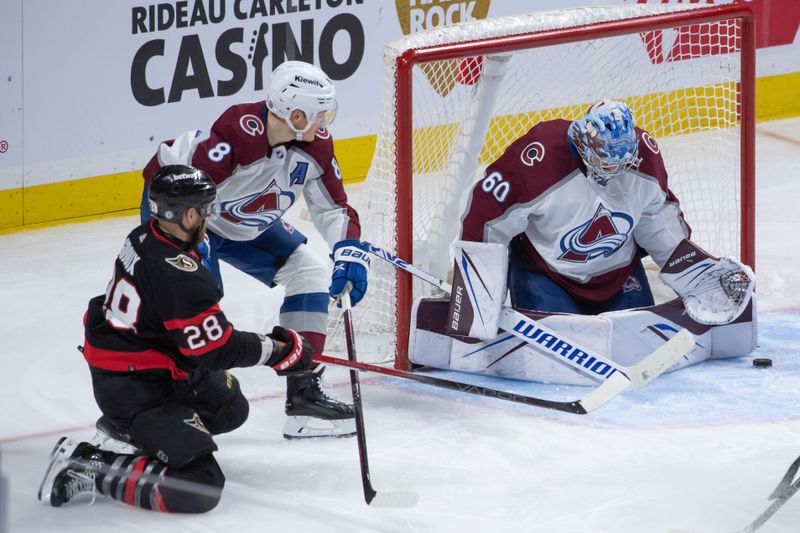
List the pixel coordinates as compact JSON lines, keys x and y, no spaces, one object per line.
{"x":161,"y":312}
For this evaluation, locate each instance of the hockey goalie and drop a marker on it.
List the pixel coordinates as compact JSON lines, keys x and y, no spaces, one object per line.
{"x":559,"y":224}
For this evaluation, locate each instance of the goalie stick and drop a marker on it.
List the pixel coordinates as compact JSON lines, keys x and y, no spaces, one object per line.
{"x":663,"y":357}
{"x":397,"y":499}
{"x":558,"y":347}
{"x":781,"y":494}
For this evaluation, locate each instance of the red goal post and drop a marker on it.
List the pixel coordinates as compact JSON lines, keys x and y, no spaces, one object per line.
{"x":696,"y":97}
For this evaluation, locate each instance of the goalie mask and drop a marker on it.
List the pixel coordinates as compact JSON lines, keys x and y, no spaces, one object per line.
{"x":175,"y":188}
{"x":606,"y":140}
{"x":299,"y":85}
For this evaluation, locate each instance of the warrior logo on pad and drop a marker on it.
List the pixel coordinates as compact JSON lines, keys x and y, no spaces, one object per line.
{"x":601,"y":236}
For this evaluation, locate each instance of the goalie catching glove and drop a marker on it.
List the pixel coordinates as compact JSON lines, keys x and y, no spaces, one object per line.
{"x":714,"y":291}
{"x":350,"y":264}
{"x":294,"y":354}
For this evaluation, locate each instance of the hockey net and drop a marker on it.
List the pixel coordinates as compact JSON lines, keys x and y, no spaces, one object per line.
{"x":456,"y":97}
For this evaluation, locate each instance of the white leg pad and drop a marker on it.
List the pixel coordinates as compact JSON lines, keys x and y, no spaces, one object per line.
{"x":626,"y":337}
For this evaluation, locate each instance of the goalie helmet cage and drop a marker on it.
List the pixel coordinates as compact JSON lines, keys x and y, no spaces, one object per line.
{"x":456,"y":97}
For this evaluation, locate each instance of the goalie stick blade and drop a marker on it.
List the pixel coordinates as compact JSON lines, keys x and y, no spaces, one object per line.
{"x":607,"y":391}
{"x":643,"y":372}
{"x":395,"y":500}
{"x":661,"y":359}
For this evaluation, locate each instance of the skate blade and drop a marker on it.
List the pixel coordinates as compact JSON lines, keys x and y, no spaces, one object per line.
{"x":63,"y":448}
{"x":307,"y":427}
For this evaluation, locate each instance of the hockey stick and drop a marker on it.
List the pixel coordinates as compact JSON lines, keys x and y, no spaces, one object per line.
{"x":781,"y":494}
{"x":372,"y":497}
{"x":551,"y":343}
{"x":597,"y":398}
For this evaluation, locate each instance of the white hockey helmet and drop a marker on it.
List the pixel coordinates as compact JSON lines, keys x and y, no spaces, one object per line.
{"x":299,"y":85}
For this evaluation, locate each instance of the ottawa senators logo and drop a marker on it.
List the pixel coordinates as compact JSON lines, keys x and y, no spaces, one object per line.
{"x":182,"y":262}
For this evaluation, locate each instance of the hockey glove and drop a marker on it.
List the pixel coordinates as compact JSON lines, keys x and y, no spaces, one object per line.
{"x":294,"y":357}
{"x":714,"y":291}
{"x":350,"y":264}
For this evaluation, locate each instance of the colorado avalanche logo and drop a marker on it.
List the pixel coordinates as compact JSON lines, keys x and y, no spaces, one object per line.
{"x":650,"y":142}
{"x":601,"y":236}
{"x":258,"y":210}
{"x":532,"y":153}
{"x":251,"y":125}
{"x":632,"y":285}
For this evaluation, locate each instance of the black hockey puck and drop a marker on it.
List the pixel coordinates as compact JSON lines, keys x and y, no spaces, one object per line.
{"x":762,"y":363}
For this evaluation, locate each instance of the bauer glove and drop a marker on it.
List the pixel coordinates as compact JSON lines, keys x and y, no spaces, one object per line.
{"x":350,"y":264}
{"x":294,"y":357}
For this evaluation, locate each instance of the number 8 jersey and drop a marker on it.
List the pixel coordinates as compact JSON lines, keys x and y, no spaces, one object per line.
{"x":161,"y":313}
{"x":257,"y":182}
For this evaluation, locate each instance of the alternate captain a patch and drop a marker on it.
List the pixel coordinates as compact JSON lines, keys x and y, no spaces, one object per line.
{"x":182,"y":262}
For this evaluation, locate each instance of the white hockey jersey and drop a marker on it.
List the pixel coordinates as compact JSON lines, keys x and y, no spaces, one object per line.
{"x":257,"y":182}
{"x":586,"y":237}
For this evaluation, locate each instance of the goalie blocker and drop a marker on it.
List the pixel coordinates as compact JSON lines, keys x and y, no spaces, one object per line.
{"x":626,"y":336}
{"x":479,"y":289}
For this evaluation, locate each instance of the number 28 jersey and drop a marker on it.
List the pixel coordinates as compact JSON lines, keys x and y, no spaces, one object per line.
{"x":161,"y":313}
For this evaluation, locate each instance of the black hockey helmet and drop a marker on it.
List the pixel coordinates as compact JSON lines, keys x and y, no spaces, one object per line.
{"x":174,"y":188}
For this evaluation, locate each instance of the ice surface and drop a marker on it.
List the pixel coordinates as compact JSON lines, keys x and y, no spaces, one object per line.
{"x":699,"y":449}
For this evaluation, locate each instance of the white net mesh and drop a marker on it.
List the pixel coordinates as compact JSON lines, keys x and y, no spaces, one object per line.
{"x":682,"y":85}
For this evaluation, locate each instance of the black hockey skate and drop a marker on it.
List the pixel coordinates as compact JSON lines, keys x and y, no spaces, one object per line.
{"x":313,"y":412}
{"x":72,"y":471}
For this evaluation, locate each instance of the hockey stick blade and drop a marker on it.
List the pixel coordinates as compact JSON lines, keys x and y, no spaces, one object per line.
{"x":371,"y":496}
{"x":785,"y":490}
{"x":396,"y":500}
{"x":786,"y":482}
{"x":661,"y":359}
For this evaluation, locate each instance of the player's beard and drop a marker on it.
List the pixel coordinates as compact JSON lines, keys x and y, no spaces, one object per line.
{"x":199,"y":233}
